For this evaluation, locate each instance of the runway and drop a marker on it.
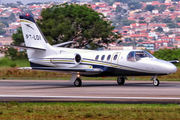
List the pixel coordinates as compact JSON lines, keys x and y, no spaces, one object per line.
{"x":90,"y":91}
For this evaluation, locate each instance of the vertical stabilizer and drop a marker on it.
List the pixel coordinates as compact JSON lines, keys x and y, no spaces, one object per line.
{"x":32,"y":34}
{"x":34,"y":38}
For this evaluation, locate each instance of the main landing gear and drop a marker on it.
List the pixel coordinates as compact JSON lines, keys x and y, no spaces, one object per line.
{"x":121,"y":80}
{"x":77,"y":82}
{"x":76,"y":79}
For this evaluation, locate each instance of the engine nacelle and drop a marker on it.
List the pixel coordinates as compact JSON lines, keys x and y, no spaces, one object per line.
{"x":77,"y":58}
{"x":61,"y":60}
{"x":67,"y":60}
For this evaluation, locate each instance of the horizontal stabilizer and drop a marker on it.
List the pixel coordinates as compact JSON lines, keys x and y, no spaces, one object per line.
{"x":63,"y":44}
{"x":62,"y":69}
{"x":26,"y":47}
{"x":174,"y":61}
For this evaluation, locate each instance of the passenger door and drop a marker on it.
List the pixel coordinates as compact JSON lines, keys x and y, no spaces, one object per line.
{"x":115,"y":59}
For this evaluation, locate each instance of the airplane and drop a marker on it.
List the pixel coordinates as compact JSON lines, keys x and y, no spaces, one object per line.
{"x":91,"y":63}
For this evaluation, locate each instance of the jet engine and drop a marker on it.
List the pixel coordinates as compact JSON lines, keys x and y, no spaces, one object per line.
{"x":67,"y":60}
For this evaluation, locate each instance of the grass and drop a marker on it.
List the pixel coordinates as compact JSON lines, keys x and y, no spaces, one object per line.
{"x":81,"y":111}
{"x":6,"y":62}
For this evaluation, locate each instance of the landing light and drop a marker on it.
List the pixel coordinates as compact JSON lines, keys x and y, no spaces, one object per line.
{"x":27,"y":14}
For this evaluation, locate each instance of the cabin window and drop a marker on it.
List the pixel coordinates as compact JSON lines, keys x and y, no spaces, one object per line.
{"x":96,"y":58}
{"x":115,"y":57}
{"x":102,"y":58}
{"x":108,"y":57}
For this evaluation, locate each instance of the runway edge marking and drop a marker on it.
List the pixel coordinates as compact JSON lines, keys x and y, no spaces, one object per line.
{"x":89,"y":97}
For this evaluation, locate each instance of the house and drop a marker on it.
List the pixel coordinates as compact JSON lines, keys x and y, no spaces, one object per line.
{"x":147,"y":45}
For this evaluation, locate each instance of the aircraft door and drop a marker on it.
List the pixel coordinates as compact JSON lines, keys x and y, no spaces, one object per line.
{"x":115,"y":59}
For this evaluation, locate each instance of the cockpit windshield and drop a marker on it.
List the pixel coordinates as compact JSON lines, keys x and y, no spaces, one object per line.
{"x":137,"y":55}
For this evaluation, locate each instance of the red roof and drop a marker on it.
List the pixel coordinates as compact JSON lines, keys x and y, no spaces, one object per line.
{"x":131,"y":18}
{"x":167,"y":4}
{"x":173,"y":17}
{"x":117,"y":3}
{"x":103,"y":5}
{"x":177,"y":38}
{"x":162,"y":41}
{"x":142,"y":23}
{"x":126,"y":27}
{"x":137,"y":35}
{"x":115,"y":30}
{"x":166,"y":38}
{"x":155,"y":3}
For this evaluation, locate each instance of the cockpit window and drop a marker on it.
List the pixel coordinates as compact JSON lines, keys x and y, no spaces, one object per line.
{"x":130,"y":56}
{"x":137,"y":55}
{"x":142,"y":54}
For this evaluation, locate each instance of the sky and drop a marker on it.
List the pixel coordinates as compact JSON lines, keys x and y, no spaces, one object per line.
{"x":29,"y":1}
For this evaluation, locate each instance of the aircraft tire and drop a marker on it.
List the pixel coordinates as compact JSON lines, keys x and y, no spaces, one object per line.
{"x":77,"y":82}
{"x":121,"y":80}
{"x":156,"y":82}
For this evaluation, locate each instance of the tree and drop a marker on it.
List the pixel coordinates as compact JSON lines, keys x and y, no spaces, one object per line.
{"x":141,"y":18}
{"x":13,"y":53}
{"x":5,"y":23}
{"x":18,"y":37}
{"x":68,"y":22}
{"x":2,"y":31}
{"x":150,"y":7}
{"x":162,"y":8}
{"x":12,"y":17}
{"x":127,"y":22}
{"x":134,"y":5}
{"x":156,"y":19}
{"x":172,"y":9}
{"x":177,"y":19}
{"x":167,"y":20}
{"x":119,"y":9}
{"x":142,"y":21}
{"x":159,"y":29}
{"x":172,"y":25}
{"x":19,"y":3}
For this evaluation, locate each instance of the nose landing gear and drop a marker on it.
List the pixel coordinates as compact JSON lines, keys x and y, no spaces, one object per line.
{"x":155,"y":81}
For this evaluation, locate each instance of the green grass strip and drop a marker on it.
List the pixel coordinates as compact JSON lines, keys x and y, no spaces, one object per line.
{"x":88,"y":111}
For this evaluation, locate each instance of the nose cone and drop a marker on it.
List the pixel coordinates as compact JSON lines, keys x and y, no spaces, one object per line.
{"x":169,"y":68}
{"x":172,"y":68}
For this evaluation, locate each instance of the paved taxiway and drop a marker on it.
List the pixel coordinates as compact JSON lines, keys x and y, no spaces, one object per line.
{"x":91,"y":91}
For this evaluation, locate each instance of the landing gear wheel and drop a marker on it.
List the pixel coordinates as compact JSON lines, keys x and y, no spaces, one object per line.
{"x":156,"y":82}
{"x":77,"y":82}
{"x":121,"y":80}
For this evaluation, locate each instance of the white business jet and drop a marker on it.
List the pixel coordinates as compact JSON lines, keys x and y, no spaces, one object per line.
{"x":91,"y":63}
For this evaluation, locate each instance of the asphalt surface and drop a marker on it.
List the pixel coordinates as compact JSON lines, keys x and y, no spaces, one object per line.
{"x":90,"y":91}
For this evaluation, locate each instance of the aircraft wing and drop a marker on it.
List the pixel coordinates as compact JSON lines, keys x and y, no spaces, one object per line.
{"x":65,"y":70}
{"x":26,"y":47}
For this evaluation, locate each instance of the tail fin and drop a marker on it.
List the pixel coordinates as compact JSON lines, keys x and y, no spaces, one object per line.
{"x":34,"y":38}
